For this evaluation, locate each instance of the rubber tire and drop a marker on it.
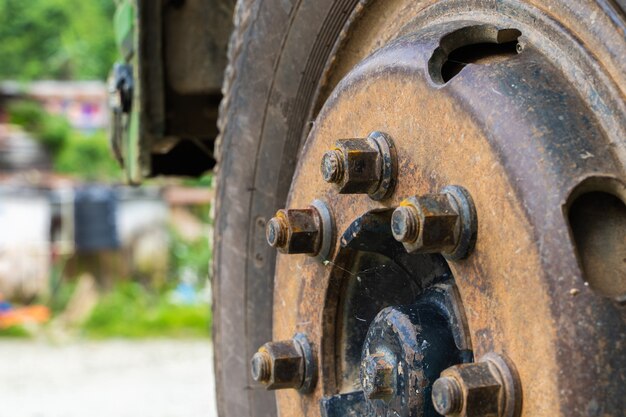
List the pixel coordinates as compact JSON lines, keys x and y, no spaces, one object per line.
{"x":275,"y":55}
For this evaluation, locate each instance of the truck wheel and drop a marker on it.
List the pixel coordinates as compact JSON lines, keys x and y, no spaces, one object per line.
{"x":482,"y":189}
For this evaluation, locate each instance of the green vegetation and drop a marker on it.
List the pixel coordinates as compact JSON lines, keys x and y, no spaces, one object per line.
{"x":194,"y":257}
{"x":56,"y":39}
{"x":87,"y":156}
{"x":74,"y":40}
{"x":131,"y":311}
{"x":205,"y":180}
{"x":15,"y":332}
{"x":63,"y":40}
{"x":51,"y":130}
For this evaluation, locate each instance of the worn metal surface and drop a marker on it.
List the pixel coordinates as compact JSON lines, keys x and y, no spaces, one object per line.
{"x":279,"y":365}
{"x":443,"y":223}
{"x":519,"y":132}
{"x":286,"y":364}
{"x":404,"y":351}
{"x":489,"y":387}
{"x":419,"y":343}
{"x":362,"y":166}
{"x":352,"y":404}
{"x":309,"y":230}
{"x":295,"y":230}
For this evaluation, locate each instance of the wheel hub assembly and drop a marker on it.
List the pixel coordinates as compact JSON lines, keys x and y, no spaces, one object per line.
{"x":433,"y":273}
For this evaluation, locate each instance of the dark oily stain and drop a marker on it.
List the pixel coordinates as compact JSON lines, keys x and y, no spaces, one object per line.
{"x":419,"y":337}
{"x":352,"y":404}
{"x":374,"y":282}
{"x":371,"y":232}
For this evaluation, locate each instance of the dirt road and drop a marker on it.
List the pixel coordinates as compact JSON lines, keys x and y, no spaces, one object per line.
{"x":106,"y":379}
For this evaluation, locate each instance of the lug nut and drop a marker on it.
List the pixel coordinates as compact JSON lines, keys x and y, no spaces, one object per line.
{"x":295,"y":230}
{"x":310,"y":230}
{"x":377,"y":376}
{"x":443,"y":223}
{"x":487,"y":388}
{"x":285,"y":364}
{"x":362,"y":166}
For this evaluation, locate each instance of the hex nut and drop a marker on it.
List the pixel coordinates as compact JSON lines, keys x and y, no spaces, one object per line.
{"x":486,"y":388}
{"x":362,"y":166}
{"x":437,"y":223}
{"x":443,"y":223}
{"x":286,"y":365}
{"x":295,"y":230}
{"x":480,"y":389}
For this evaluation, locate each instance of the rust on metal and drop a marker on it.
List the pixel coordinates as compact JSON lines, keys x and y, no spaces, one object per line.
{"x":486,"y":388}
{"x":362,"y":166}
{"x":516,"y":131}
{"x":295,"y":230}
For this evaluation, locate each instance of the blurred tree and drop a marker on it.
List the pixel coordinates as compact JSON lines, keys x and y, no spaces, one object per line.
{"x":51,"y":130}
{"x":87,"y":156}
{"x":56,"y":39}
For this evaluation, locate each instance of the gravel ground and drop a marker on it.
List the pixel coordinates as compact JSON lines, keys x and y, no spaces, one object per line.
{"x":162,"y":378}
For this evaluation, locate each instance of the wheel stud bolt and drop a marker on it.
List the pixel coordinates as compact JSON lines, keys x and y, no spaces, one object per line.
{"x":443,"y":223}
{"x":276,"y":232}
{"x":295,"y":230}
{"x":262,"y":367}
{"x":285,"y":364}
{"x":332,"y":166}
{"x":362,"y":166}
{"x":310,"y":230}
{"x":490,"y":387}
{"x":447,"y":396}
{"x":405,"y":224}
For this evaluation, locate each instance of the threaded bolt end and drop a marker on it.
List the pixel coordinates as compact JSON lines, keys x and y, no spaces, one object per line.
{"x":276,"y":232}
{"x":447,"y":396}
{"x":261,"y":367}
{"x":405,"y":224}
{"x":332,"y":166}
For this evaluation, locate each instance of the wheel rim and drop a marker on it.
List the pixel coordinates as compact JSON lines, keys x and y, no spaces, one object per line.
{"x":524,"y":251}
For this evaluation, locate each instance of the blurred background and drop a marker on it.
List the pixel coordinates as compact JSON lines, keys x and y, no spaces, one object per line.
{"x":104,"y":288}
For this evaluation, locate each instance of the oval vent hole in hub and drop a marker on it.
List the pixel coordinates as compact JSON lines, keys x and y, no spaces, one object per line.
{"x":481,"y":44}
{"x":598,"y":224}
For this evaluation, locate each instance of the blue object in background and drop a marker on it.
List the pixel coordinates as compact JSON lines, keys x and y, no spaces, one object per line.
{"x":5,"y":306}
{"x":95,"y":219}
{"x":184,"y":294}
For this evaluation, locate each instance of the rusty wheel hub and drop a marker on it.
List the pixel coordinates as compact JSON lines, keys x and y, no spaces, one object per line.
{"x":448,"y":246}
